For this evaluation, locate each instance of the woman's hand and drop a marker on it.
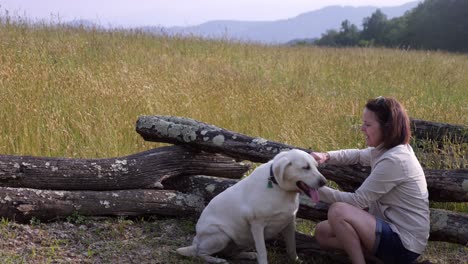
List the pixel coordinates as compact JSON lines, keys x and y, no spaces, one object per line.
{"x":320,"y":157}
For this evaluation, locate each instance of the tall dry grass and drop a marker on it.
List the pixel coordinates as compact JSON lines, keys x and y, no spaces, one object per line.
{"x":75,"y":92}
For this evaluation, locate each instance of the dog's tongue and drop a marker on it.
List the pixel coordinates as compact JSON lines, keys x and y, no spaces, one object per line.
{"x":314,"y":195}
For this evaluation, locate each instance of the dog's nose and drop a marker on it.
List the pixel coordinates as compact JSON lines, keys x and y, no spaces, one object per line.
{"x":322,"y":182}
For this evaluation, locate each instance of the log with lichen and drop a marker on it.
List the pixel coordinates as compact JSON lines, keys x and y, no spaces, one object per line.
{"x":24,"y":204}
{"x":141,"y":170}
{"x":53,"y":188}
{"x":443,"y":185}
{"x":182,"y":196}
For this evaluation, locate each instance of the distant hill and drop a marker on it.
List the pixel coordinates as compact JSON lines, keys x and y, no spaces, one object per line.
{"x":308,"y":25}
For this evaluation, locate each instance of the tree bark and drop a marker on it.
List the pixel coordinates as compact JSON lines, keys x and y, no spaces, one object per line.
{"x":449,"y":226}
{"x":443,"y":185}
{"x":439,"y":132}
{"x":142,"y":170}
{"x":204,"y":186}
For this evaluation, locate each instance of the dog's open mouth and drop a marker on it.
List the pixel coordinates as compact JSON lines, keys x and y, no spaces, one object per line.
{"x":311,"y":192}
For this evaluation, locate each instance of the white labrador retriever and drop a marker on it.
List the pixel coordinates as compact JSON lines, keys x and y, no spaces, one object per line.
{"x":257,"y":208}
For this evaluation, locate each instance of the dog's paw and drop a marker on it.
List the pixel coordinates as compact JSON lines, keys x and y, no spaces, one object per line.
{"x":247,"y":255}
{"x":211,"y":259}
{"x":298,"y":261}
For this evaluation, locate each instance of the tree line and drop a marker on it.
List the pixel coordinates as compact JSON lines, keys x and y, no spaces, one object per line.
{"x":432,"y":25}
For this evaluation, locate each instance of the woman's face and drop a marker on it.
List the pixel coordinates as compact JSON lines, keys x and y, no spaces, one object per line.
{"x":371,"y":128}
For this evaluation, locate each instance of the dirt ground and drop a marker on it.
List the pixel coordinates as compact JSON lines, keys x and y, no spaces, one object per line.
{"x":123,"y":240}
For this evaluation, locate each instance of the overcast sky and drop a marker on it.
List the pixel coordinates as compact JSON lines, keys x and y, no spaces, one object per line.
{"x":173,"y":12}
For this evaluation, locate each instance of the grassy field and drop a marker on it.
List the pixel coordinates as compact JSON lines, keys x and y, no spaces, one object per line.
{"x":70,"y":92}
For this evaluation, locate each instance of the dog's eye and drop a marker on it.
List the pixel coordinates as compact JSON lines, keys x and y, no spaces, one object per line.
{"x":307,"y":167}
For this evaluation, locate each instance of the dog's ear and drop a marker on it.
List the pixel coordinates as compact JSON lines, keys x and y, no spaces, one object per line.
{"x":279,"y":166}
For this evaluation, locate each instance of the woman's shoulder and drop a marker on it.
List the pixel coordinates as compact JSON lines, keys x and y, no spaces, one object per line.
{"x":402,"y":152}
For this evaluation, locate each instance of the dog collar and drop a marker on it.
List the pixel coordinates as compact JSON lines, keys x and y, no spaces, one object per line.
{"x":272,"y":178}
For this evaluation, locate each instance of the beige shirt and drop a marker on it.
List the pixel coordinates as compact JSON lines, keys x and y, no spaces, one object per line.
{"x":395,"y":191}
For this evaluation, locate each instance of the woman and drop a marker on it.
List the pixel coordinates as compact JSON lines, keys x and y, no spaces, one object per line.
{"x":388,"y":215}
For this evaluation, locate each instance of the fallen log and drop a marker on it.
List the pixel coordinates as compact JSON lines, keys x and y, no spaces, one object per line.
{"x":445,"y":225}
{"x":308,"y":246}
{"x":439,"y":132}
{"x":142,"y":170}
{"x":204,"y":186}
{"x":443,"y":185}
{"x":23,"y":204}
{"x":186,"y":131}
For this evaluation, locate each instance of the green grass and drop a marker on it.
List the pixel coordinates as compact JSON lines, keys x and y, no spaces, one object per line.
{"x":68,"y":92}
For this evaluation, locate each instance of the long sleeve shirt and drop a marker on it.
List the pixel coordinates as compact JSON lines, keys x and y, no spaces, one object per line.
{"x":395,"y":191}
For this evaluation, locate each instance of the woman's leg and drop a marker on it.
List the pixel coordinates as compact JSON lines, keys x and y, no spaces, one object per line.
{"x":349,"y":228}
{"x":326,"y":237}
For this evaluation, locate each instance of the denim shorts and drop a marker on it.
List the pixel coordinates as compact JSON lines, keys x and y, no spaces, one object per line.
{"x":388,"y":246}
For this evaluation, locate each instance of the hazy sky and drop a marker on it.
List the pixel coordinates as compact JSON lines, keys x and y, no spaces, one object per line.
{"x":173,"y":12}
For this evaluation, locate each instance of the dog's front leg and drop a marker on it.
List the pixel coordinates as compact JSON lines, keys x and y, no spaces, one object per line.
{"x":258,"y":229}
{"x":289,"y":236}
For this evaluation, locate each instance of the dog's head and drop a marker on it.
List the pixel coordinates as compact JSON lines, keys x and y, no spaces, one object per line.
{"x":296,"y":170}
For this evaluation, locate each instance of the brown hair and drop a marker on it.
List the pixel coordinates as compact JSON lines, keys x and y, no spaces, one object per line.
{"x":393,"y":120}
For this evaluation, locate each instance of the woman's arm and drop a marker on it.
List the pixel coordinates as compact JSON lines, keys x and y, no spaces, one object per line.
{"x":385,"y":175}
{"x":344,"y":157}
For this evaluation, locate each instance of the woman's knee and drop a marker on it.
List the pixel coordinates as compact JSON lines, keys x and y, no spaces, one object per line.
{"x":337,"y":210}
{"x":322,"y":231}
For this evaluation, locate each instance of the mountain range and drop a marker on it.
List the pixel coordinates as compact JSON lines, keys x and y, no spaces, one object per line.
{"x":310,"y":25}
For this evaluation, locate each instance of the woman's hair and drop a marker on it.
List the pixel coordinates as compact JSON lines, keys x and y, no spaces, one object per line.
{"x":393,"y":120}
